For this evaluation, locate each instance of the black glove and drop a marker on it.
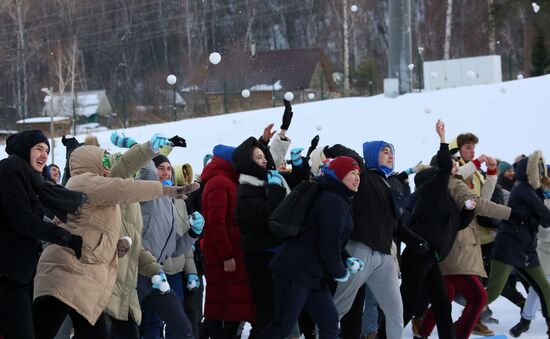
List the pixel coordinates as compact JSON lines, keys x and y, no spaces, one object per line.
{"x":314,"y":143}
{"x":75,"y":243}
{"x":419,"y":246}
{"x":69,"y":141}
{"x":520,"y":217}
{"x":178,"y":141}
{"x":287,"y":115}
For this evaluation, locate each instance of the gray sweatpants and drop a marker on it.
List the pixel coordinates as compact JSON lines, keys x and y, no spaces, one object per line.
{"x":380,"y":274}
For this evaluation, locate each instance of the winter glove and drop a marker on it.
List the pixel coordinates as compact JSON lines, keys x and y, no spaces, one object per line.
{"x":69,"y":141}
{"x":344,"y":278}
{"x":160,"y":282}
{"x":296,"y":156}
{"x":206,"y":159}
{"x":419,"y":246}
{"x":178,"y":141}
{"x":123,"y":246}
{"x":313,"y":146}
{"x":121,"y":140}
{"x":520,"y":217}
{"x":178,"y":192}
{"x":157,"y":141}
{"x":193,"y":281}
{"x":75,"y":243}
{"x":196,"y":220}
{"x":354,"y":265}
{"x":287,"y":115}
{"x":546,"y":194}
{"x":414,"y":169}
{"x":167,"y":182}
{"x":274,"y":178}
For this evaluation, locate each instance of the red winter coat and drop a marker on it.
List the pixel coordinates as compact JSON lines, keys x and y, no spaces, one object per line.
{"x":228,"y":295}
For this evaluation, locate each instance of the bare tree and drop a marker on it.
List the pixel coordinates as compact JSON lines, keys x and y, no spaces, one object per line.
{"x":448,"y":30}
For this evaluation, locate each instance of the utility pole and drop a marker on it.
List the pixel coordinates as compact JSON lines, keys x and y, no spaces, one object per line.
{"x":400,"y":43}
{"x":346,"y":45}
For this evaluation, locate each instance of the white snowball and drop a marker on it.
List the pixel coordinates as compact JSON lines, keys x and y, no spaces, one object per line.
{"x":411,"y":66}
{"x":469,"y":204}
{"x":311,"y":96}
{"x":354,"y":8}
{"x":215,"y":58}
{"x":471,"y":74}
{"x":318,"y":127}
{"x":434,"y":75}
{"x":536,"y":7}
{"x":289,"y":96}
{"x":428,"y":109}
{"x":191,"y":284}
{"x":156,"y":279}
{"x":503,"y":89}
{"x":520,"y":76}
{"x":245,"y":93}
{"x":171,"y":79}
{"x":164,"y":287}
{"x":128,"y":239}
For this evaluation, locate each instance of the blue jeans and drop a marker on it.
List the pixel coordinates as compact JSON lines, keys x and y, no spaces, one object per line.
{"x":370,"y":313}
{"x":168,"y":307}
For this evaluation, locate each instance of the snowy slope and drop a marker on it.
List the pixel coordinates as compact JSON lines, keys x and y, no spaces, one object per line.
{"x":509,"y":118}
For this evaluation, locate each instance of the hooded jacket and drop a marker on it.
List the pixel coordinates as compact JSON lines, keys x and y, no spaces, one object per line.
{"x":516,"y":243}
{"x":86,"y":284}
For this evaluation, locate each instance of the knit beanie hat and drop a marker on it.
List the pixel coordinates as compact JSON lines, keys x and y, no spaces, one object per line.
{"x":22,"y":142}
{"x":159,"y":159}
{"x":342,"y":165}
{"x":224,"y":152}
{"x":503,"y":166}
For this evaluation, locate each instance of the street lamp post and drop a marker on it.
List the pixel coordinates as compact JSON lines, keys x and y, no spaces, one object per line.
{"x":420,"y":67}
{"x":171,"y":80}
{"x":49,"y":95}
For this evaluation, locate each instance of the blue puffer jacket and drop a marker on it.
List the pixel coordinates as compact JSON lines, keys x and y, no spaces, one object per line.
{"x":516,"y":243}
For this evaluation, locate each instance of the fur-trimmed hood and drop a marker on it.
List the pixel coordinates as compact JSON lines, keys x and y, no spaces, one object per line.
{"x":86,"y":159}
{"x":529,"y":169}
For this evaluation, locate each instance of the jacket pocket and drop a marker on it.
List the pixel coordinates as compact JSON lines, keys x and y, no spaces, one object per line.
{"x":98,"y":249}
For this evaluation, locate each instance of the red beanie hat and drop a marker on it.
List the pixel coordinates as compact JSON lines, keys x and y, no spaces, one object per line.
{"x":342,"y":166}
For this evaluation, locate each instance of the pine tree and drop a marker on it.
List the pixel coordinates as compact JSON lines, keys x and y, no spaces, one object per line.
{"x":540,"y":60}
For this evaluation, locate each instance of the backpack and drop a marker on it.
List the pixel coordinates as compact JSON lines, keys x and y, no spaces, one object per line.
{"x":288,"y":220}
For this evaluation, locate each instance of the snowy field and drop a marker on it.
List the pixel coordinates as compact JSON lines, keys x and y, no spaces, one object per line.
{"x":509,"y":118}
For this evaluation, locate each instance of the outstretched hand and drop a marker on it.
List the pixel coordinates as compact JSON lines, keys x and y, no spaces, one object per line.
{"x":268,"y":134}
{"x":440,"y":129}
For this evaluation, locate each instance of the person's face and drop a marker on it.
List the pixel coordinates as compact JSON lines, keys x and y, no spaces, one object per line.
{"x":54,"y":173}
{"x":39,"y":156}
{"x":509,"y":174}
{"x":386,"y":157}
{"x":259,"y":157}
{"x":467,"y":152}
{"x":455,"y":168}
{"x":164,"y":171}
{"x":351,"y":180}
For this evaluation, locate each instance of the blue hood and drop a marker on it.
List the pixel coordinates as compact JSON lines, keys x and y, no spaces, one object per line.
{"x":371,"y":153}
{"x":225,"y":152}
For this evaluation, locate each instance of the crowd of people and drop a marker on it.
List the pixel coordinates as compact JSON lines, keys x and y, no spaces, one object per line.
{"x":126,"y":245}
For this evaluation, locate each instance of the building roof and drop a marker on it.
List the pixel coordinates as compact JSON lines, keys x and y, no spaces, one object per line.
{"x":39,"y":120}
{"x":287,"y":69}
{"x":87,"y":103}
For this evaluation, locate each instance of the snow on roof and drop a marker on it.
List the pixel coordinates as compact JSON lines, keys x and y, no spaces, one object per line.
{"x":41,"y":119}
{"x":87,"y":103}
{"x":266,"y":87}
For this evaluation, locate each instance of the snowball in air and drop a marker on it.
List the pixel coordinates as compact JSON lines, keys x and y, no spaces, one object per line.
{"x":434,"y":75}
{"x":503,"y":89}
{"x":471,"y":74}
{"x":215,"y":58}
{"x":171,"y":79}
{"x":245,"y":93}
{"x":411,"y":66}
{"x":311,"y":96}
{"x":520,"y":76}
{"x":354,"y":8}
{"x":318,"y":127}
{"x":289,"y":96}
{"x":535,"y":7}
{"x":428,"y":109}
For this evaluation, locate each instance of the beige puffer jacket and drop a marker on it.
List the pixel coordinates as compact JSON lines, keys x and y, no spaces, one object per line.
{"x":86,"y":284}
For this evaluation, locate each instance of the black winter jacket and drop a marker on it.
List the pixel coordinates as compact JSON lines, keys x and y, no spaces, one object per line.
{"x":435,"y":217}
{"x":318,"y":253}
{"x":21,"y":224}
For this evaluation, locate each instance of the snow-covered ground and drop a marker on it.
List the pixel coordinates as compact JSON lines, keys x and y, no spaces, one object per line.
{"x":509,"y":118}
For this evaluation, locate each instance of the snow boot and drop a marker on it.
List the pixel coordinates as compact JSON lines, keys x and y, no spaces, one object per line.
{"x":519,"y":328}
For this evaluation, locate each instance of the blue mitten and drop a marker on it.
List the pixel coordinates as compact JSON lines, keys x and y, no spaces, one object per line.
{"x":167,"y":182}
{"x":160,"y":282}
{"x":296,"y":156}
{"x":196,"y":220}
{"x":157,"y":141}
{"x":193,"y":281}
{"x":343,"y":279}
{"x":274,"y":178}
{"x":121,"y":140}
{"x":354,"y":265}
{"x":547,"y":194}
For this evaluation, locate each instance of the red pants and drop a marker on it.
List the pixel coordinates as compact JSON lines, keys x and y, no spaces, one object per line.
{"x":470,"y":287}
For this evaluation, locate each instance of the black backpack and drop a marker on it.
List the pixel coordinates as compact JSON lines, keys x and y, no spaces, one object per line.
{"x":289,"y":218}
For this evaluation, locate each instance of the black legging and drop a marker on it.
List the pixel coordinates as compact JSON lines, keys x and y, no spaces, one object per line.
{"x":50,"y":314}
{"x":420,"y":272}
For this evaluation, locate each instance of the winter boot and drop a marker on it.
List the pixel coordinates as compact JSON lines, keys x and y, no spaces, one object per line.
{"x":481,"y":329}
{"x":416,"y":323}
{"x":519,"y":328}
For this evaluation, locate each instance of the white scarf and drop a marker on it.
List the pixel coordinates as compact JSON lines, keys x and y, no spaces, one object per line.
{"x":252,"y":180}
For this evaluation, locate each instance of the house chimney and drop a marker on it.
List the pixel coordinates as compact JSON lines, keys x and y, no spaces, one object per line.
{"x":253,"y":49}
